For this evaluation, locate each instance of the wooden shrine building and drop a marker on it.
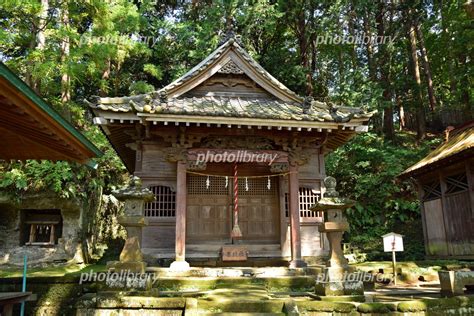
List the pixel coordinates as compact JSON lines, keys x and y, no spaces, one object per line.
{"x":446,"y":190}
{"x":228,"y":116}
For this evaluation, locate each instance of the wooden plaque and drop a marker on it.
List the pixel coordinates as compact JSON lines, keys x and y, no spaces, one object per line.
{"x":234,"y":253}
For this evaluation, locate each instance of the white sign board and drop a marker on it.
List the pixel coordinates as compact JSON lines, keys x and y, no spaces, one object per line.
{"x":392,"y":242}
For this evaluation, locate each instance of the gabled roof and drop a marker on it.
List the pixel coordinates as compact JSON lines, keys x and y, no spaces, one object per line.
{"x":230,"y":52}
{"x":31,"y":129}
{"x":459,"y":145}
{"x":230,"y":57}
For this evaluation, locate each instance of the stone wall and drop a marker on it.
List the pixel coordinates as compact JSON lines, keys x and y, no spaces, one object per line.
{"x":68,"y":247}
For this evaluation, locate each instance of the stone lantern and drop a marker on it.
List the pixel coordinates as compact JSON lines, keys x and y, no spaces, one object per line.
{"x":133,"y":220}
{"x":337,"y":279}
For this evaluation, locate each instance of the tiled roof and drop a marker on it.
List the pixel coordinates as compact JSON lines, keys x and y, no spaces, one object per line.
{"x":233,"y":107}
{"x":173,"y":100}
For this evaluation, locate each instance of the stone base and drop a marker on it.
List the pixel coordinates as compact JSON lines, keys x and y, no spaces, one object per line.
{"x":453,"y":282}
{"x":133,"y":266}
{"x":336,"y":281}
{"x":338,"y":288}
{"x":179,"y":265}
{"x":297,"y":264}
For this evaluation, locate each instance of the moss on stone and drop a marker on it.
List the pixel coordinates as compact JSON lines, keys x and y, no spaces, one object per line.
{"x":290,"y":283}
{"x":375,"y":308}
{"x":322,"y":306}
{"x":451,"y":302}
{"x":241,"y":305}
{"x":344,"y":298}
{"x":176,"y":284}
{"x":58,"y":295}
{"x":412,"y":306}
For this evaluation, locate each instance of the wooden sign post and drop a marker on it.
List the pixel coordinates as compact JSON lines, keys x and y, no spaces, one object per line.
{"x":393,"y":242}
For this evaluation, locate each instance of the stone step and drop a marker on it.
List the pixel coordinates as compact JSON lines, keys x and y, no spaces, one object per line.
{"x":207,"y":283}
{"x":240,"y":305}
{"x":213,"y":251}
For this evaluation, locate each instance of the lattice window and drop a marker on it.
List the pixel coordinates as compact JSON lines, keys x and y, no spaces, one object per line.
{"x":308,"y":197}
{"x":257,"y":186}
{"x":164,"y":204}
{"x":197,"y":185}
{"x":456,"y":183}
{"x":432,"y":191}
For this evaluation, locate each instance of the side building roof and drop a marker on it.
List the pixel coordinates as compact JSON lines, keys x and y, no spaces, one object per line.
{"x":31,"y":129}
{"x":459,"y":145}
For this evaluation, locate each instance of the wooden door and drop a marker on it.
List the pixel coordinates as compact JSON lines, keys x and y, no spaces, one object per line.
{"x":208,"y":216}
{"x":209,"y":210}
{"x":433,"y":211}
{"x":259,"y":211}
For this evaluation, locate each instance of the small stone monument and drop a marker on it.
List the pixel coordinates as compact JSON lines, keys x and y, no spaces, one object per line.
{"x":336,"y":280}
{"x":134,"y":198}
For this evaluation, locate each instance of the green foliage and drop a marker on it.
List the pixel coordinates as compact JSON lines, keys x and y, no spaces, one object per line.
{"x":124,"y":47}
{"x":366,"y":169}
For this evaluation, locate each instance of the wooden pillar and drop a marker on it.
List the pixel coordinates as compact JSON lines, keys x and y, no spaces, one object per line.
{"x":52,"y":234}
{"x":296,"y":260}
{"x":181,"y":193}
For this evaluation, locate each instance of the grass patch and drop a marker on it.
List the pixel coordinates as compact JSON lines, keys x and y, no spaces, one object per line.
{"x":58,"y":271}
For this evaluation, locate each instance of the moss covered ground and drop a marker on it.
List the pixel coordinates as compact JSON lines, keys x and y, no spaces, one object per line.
{"x":7,"y":271}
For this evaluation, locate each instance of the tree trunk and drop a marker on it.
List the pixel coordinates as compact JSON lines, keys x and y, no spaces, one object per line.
{"x":65,"y":47}
{"x":384,"y":68}
{"x":427,"y":68}
{"x":369,"y":49}
{"x":105,"y":77}
{"x":303,"y":44}
{"x":40,"y":40}
{"x":420,"y":111}
{"x":401,"y":113}
{"x":351,"y":25}
{"x":465,"y":98}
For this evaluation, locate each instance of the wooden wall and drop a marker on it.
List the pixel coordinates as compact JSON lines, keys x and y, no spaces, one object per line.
{"x":447,"y":197}
{"x":159,"y":236}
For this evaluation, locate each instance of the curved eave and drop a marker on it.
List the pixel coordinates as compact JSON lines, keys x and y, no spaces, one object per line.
{"x":27,"y":118}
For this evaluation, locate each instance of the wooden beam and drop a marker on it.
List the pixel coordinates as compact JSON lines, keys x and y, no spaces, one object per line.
{"x":46,"y":140}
